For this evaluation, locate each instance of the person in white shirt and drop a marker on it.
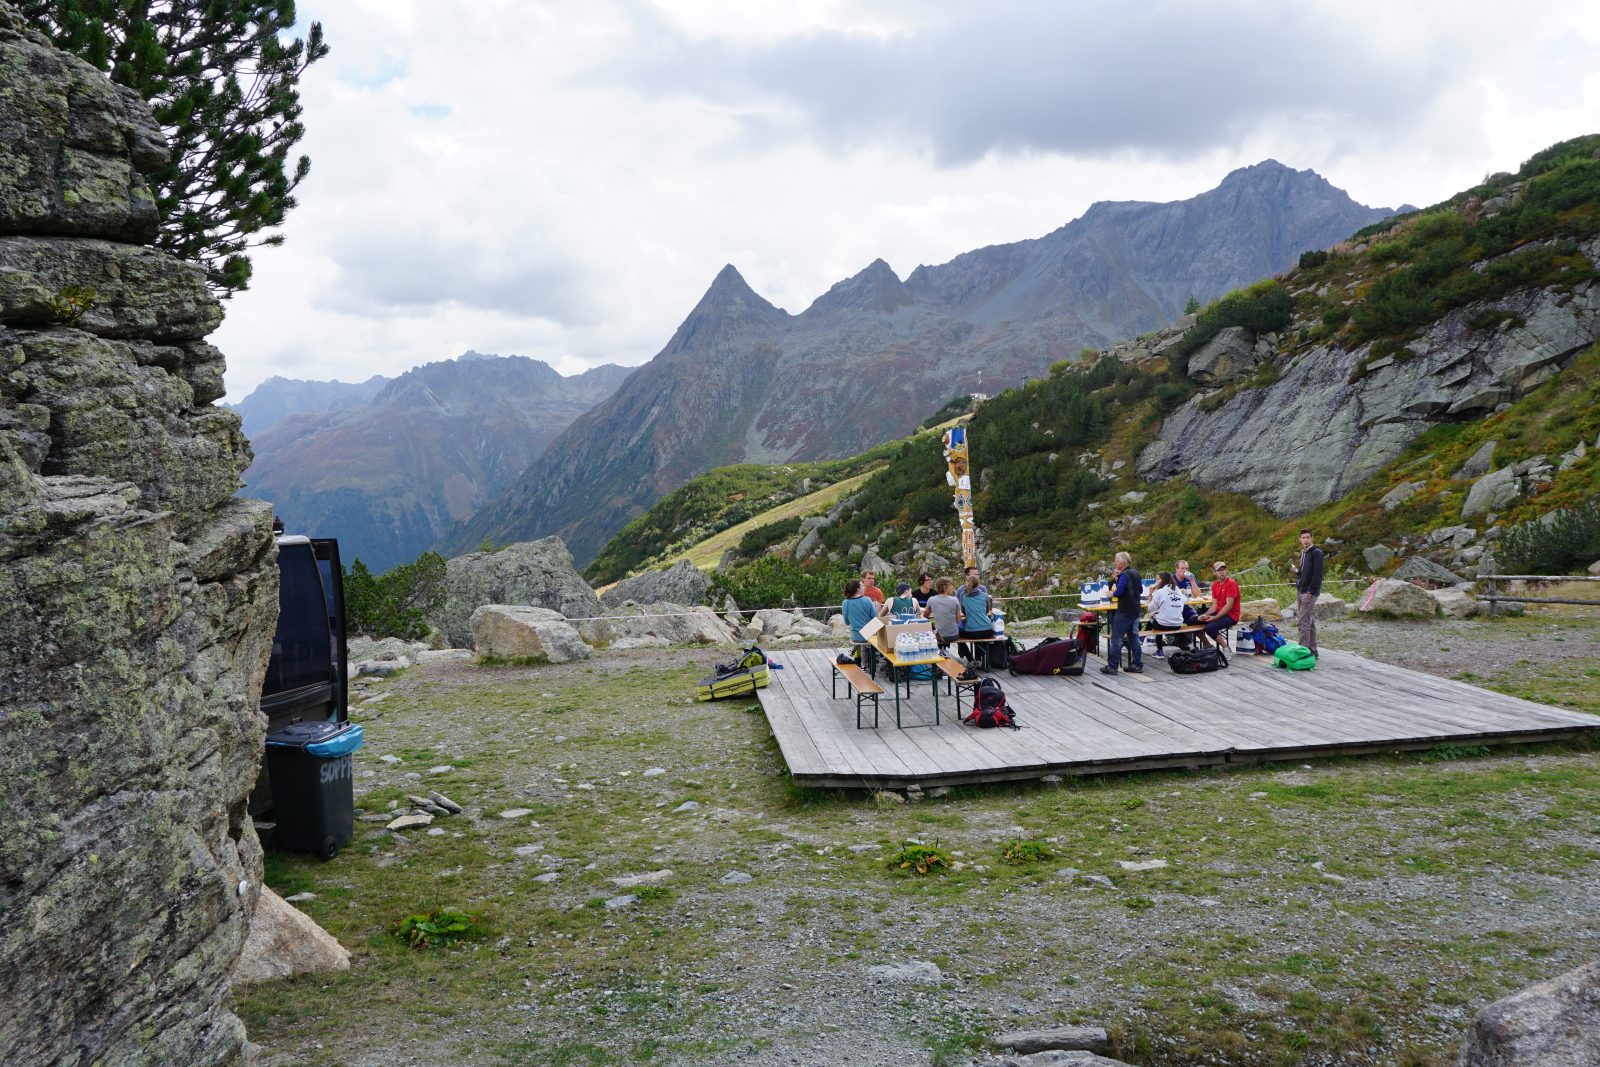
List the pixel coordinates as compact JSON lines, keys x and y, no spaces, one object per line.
{"x":1166,"y":609}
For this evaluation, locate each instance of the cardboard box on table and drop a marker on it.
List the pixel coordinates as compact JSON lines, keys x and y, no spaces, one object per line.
{"x":893,"y":630}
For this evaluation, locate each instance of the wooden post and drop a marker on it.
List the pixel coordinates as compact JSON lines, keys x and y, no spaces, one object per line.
{"x":1493,"y":603}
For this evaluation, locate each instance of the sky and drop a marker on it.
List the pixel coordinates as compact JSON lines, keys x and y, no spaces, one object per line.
{"x":563,"y":180}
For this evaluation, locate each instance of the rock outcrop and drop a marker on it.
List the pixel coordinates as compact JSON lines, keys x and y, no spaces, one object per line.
{"x":659,"y":625}
{"x":139,"y":599}
{"x":1552,"y":1024}
{"x":532,"y":573}
{"x":681,"y":583}
{"x":1336,"y":417}
{"x":514,"y":632}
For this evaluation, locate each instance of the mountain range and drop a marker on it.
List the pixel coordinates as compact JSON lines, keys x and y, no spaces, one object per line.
{"x":277,"y":397}
{"x":389,"y":474}
{"x":744,"y":381}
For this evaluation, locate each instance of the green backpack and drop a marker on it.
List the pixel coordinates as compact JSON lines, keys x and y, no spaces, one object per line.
{"x":1294,"y":657}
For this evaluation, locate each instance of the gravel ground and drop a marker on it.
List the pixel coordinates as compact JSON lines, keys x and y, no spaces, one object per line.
{"x":1354,"y":911}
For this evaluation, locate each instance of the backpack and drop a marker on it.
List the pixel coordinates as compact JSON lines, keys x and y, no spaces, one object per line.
{"x":989,"y":707}
{"x":749,"y":656}
{"x":1291,"y":656}
{"x":1266,"y":637}
{"x":1089,"y":631}
{"x":1197,"y":660}
{"x":1050,"y":656}
{"x":997,"y":654}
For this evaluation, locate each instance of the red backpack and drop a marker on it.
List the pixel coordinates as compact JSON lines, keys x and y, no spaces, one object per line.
{"x":989,"y":707}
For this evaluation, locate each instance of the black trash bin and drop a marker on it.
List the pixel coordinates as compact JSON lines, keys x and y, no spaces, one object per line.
{"x":313,"y":800}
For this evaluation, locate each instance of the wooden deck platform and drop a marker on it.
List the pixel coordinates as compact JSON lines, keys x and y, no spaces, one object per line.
{"x":1096,"y":724}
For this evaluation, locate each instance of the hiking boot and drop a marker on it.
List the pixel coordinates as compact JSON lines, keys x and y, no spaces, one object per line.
{"x":1135,"y":669}
{"x":1108,"y":670}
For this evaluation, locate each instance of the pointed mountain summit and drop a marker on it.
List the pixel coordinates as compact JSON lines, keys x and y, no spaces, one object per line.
{"x":744,"y":381}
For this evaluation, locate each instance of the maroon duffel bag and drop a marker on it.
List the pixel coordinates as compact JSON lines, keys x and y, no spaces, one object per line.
{"x":1051,"y":656}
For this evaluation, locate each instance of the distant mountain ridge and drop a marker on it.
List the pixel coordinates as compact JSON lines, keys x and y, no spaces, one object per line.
{"x":278,"y":396}
{"x":744,"y":381}
{"x":388,"y":476}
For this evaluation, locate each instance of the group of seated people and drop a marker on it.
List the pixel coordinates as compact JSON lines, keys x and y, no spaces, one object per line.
{"x":1169,"y":608}
{"x":967,"y":612}
{"x":956,"y":612}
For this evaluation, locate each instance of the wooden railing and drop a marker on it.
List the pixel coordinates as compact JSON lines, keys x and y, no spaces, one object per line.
{"x":1494,"y":598}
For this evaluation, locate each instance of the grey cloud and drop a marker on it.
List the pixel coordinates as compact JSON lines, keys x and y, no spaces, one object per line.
{"x":416,"y":269}
{"x":1013,"y":77}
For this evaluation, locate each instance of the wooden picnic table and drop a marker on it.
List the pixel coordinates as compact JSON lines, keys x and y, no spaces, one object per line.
{"x":898,"y":667}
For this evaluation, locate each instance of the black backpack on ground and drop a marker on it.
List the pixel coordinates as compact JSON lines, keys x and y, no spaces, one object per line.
{"x":996,"y":655}
{"x":989,"y":707}
{"x":1197,"y":660}
{"x":1050,"y":656}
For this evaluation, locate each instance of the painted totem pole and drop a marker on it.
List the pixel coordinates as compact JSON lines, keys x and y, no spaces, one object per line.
{"x":959,"y":476}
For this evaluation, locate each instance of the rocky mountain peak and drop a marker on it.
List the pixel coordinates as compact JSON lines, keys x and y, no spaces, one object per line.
{"x":728,"y":307}
{"x":875,"y":288}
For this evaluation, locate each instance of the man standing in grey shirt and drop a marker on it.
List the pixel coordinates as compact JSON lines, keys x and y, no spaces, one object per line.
{"x":945,"y":611}
{"x":1307,"y":588}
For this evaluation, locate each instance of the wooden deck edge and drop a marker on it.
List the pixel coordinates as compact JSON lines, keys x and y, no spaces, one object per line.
{"x":1180,"y":761}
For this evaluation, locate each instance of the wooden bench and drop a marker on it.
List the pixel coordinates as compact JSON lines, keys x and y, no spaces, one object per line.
{"x":1145,"y":631}
{"x":953,"y":669}
{"x":859,"y":685}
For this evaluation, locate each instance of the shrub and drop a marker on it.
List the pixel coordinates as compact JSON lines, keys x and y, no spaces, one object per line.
{"x":1025,"y":852}
{"x":1551,"y":545}
{"x":1313,"y":259}
{"x":920,"y":859}
{"x":774,"y":582}
{"x":764,"y":537}
{"x":396,"y":603}
{"x":439,"y":926}
{"x":1260,"y":308}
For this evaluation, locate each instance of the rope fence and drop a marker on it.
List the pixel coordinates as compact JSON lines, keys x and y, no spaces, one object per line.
{"x":1066,"y":600}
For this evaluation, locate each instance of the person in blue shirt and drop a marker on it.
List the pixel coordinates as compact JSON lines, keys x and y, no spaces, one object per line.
{"x":1125,"y":617}
{"x":859,"y":609}
{"x":976,"y":605}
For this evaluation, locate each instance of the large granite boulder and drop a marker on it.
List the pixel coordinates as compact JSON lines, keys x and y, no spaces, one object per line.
{"x":1266,"y":608}
{"x":1455,"y":601}
{"x":1552,"y":1024}
{"x":776,"y":624}
{"x":681,"y":583}
{"x":532,"y":573}
{"x":633,"y":625}
{"x":515,"y":632}
{"x":1391,"y":598}
{"x":139,"y":599}
{"x":284,"y":942}
{"x":1336,"y":417}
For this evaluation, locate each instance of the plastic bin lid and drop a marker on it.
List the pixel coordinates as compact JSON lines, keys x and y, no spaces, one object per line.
{"x":300,"y":734}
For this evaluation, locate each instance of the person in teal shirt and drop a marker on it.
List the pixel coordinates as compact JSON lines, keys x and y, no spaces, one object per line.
{"x":976,"y":604}
{"x":903,"y":602}
{"x":859,"y":609}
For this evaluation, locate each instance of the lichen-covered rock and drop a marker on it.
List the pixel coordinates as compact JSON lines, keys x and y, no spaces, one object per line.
{"x":75,"y":144}
{"x":139,"y":601}
{"x":512,"y":631}
{"x":1497,"y":489}
{"x":1266,"y":608}
{"x":1377,"y":557}
{"x":533,"y":573}
{"x":1394,"y":599}
{"x":1227,"y":357}
{"x":681,"y":583}
{"x":1552,"y":1024}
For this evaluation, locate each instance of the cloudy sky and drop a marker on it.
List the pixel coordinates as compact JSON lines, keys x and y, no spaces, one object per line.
{"x":563,"y":180}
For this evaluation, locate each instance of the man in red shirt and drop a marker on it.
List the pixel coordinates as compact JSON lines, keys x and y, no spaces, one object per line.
{"x":869,"y":587}
{"x":1225,"y":600}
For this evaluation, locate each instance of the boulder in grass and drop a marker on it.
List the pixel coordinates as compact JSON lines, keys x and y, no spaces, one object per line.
{"x":1055,"y":1038}
{"x":509,"y":631}
{"x":671,"y":624}
{"x":1266,"y":608}
{"x":681,"y":583}
{"x":1552,"y":1024}
{"x":1391,"y":598}
{"x":284,"y":941}
{"x":1457,"y":602}
{"x":1330,"y":606}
